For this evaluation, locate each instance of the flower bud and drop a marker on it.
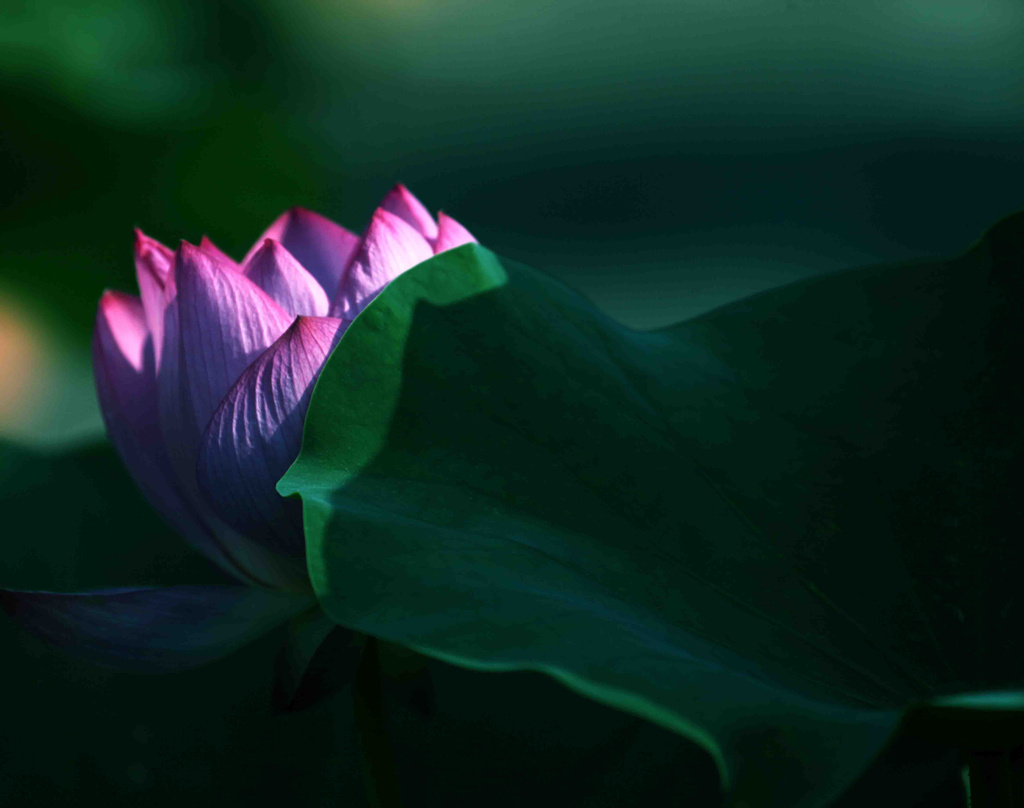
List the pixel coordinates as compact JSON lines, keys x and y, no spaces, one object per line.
{"x":204,"y":380}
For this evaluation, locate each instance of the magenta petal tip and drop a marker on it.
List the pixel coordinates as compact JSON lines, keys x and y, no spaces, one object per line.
{"x":451,"y":234}
{"x":208,"y":246}
{"x":401,"y":202}
{"x":152,"y":257}
{"x":390,"y":247}
{"x":321,"y":246}
{"x":276,"y":272}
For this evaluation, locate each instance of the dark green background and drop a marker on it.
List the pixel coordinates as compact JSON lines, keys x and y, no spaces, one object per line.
{"x":663,"y":157}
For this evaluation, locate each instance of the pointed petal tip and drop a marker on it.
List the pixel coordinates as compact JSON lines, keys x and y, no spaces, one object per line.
{"x":186,"y":246}
{"x":390,"y":247}
{"x":116,"y":307}
{"x":298,"y":213}
{"x":382,"y":215}
{"x":307,"y":218}
{"x":386,"y":223}
{"x":187,"y":255}
{"x":197,"y":256}
{"x":151,"y":258}
{"x":277,"y":272}
{"x":404,"y":204}
{"x":119,"y":317}
{"x":393,"y":223}
{"x":451,"y":234}
{"x":206,"y":244}
{"x":269,"y":244}
{"x":323,"y":247}
{"x":144,"y":242}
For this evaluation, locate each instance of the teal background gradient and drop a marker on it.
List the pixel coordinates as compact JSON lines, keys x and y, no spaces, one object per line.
{"x":663,"y":157}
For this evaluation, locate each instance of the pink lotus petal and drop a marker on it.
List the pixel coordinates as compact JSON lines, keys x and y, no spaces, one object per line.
{"x":126,"y":388}
{"x":407,"y":207}
{"x":208,"y":246}
{"x":153,"y":263}
{"x":276,"y":272}
{"x":256,"y":433}
{"x":451,"y":234}
{"x":322,"y":247}
{"x":157,"y":258}
{"x":181,"y":435}
{"x":389,"y":248}
{"x":121,"y":330}
{"x":225,"y":322}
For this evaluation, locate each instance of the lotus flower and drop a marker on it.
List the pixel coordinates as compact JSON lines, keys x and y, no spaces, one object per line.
{"x":204,"y":381}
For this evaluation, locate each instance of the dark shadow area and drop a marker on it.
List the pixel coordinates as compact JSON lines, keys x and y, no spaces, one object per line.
{"x":812,"y":484}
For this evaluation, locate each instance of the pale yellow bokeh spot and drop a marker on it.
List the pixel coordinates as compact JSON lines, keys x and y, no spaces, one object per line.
{"x":22,"y":364}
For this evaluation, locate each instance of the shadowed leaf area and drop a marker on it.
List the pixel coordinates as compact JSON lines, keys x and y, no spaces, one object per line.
{"x":79,"y":732}
{"x":771,"y":528}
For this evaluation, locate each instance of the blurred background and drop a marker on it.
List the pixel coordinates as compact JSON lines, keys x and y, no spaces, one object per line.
{"x":662,"y":156}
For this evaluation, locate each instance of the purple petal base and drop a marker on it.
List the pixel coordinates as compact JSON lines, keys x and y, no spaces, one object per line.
{"x":152,"y":630}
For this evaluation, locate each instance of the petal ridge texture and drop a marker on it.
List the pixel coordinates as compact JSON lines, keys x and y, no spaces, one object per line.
{"x":257,"y":431}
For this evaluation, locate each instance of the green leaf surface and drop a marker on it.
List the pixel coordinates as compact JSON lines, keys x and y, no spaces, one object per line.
{"x":771,"y":528}
{"x":75,"y":732}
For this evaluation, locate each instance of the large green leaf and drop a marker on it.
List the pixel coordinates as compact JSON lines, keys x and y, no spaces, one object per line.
{"x":771,"y":528}
{"x":74,"y":732}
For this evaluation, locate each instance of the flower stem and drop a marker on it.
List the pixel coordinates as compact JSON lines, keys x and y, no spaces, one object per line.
{"x":996,"y":778}
{"x":379,"y":775}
